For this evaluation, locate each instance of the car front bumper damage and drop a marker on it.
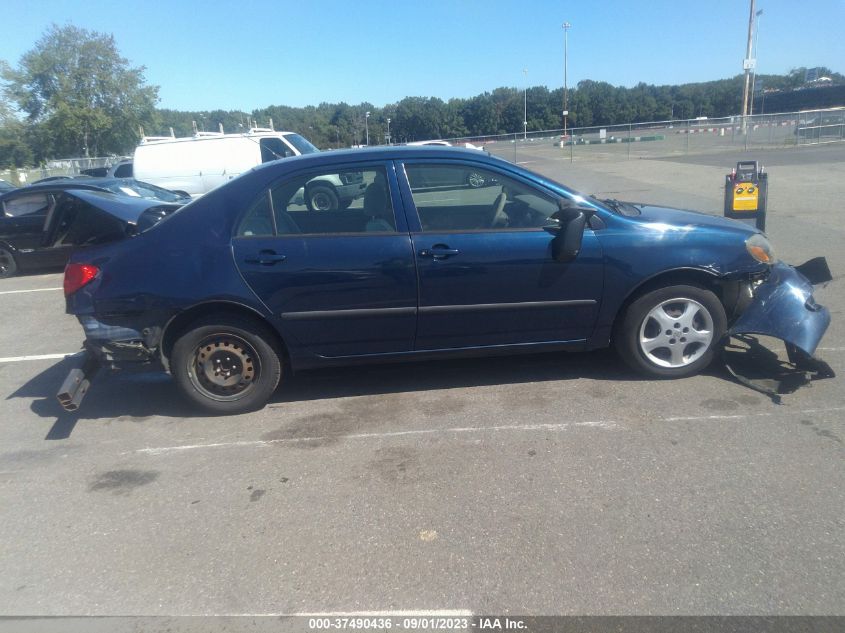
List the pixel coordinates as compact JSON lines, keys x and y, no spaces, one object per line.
{"x":782,"y":307}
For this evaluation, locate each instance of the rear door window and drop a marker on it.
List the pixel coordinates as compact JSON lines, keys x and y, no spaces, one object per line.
{"x":33,"y":204}
{"x":355,"y":199}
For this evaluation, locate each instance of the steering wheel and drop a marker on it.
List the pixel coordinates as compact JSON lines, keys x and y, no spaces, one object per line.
{"x":499,"y":210}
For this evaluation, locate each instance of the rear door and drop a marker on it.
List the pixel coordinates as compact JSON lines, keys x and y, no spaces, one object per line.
{"x":486,"y":271}
{"x":343,"y":281}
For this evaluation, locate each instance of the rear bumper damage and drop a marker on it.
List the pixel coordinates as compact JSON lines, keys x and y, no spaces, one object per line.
{"x":782,"y":307}
{"x":105,"y":346}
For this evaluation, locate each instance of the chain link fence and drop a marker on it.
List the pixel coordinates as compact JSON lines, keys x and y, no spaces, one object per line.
{"x":57,"y":168}
{"x":666,"y":138}
{"x":634,"y":140}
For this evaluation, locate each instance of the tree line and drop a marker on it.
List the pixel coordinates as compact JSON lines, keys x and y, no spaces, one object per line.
{"x":73,"y":94}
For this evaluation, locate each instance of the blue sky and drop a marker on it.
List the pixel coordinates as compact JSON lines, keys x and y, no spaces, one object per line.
{"x":251,"y":54}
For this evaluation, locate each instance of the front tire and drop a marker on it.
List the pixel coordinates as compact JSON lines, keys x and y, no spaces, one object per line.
{"x":8,"y":265}
{"x":671,"y":332}
{"x":227,"y":364}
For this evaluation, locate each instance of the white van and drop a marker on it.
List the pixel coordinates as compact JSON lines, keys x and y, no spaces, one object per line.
{"x":197,"y":164}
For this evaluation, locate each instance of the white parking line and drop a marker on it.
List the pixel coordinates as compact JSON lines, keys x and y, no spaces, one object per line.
{"x":15,"y":292}
{"x":603,"y":424}
{"x":600,"y":424}
{"x":18,"y":359}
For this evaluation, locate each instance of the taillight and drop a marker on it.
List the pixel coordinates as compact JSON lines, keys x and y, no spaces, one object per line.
{"x":77,"y":275}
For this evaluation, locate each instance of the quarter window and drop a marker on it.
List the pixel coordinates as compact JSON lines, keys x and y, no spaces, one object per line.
{"x":457,"y":197}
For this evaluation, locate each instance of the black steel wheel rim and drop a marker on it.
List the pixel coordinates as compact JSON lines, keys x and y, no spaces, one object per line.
{"x":224,"y":367}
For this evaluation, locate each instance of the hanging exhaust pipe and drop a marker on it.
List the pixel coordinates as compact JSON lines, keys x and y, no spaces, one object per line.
{"x":77,"y":383}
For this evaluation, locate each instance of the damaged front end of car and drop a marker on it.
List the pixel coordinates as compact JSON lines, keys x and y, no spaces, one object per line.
{"x":780,"y":306}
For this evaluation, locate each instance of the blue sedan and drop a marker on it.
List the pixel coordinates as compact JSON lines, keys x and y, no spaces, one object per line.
{"x":243,"y":286}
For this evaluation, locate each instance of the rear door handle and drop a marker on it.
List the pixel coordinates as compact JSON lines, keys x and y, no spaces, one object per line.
{"x":439,"y":251}
{"x":265,"y":258}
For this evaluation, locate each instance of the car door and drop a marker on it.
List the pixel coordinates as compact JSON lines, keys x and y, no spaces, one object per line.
{"x":485,"y":265}
{"x":342,"y":281}
{"x":22,"y":224}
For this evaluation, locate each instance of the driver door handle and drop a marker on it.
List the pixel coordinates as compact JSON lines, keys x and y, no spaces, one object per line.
{"x":439,"y":251}
{"x":265,"y":258}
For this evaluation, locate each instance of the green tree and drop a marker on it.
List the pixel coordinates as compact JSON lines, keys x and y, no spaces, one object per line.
{"x":82,"y":93}
{"x":14,"y":150}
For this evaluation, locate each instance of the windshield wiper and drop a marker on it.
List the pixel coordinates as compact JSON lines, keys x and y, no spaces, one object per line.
{"x":622,"y":208}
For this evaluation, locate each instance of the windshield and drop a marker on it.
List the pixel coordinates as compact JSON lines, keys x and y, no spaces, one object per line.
{"x":302,"y":145}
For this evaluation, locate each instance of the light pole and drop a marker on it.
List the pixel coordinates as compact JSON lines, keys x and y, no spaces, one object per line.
{"x":367,"y":127}
{"x":754,"y":72}
{"x":747,"y":64}
{"x":525,"y":106}
{"x":388,"y":130}
{"x":566,"y":26}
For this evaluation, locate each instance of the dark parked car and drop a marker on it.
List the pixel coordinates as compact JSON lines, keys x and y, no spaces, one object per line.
{"x":121,"y":169}
{"x":40,"y":225}
{"x":247,"y":284}
{"x":6,"y":186}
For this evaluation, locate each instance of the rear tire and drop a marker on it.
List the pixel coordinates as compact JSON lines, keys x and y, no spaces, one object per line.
{"x":671,"y":332}
{"x":322,"y":198}
{"x":8,"y":265}
{"x":227,"y":364}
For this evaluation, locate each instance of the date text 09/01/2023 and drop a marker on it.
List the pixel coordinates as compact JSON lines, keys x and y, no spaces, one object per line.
{"x":416,"y":623}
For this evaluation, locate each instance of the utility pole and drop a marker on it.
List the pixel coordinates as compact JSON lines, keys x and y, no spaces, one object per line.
{"x":367,"y":127}
{"x":566,"y":27}
{"x":525,"y":106}
{"x":756,"y":54}
{"x":747,"y":64}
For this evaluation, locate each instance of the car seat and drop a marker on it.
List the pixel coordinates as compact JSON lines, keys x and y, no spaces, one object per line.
{"x":377,"y":206}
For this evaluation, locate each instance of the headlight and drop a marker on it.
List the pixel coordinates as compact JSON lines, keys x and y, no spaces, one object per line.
{"x":760,"y":249}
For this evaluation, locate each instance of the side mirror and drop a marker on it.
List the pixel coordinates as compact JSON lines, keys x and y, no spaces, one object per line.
{"x":568,"y":231}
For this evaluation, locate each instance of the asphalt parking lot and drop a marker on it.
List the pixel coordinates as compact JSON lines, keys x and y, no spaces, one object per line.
{"x":551,"y":484}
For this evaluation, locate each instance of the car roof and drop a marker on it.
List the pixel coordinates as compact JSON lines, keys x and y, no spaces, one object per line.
{"x":382,"y":153}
